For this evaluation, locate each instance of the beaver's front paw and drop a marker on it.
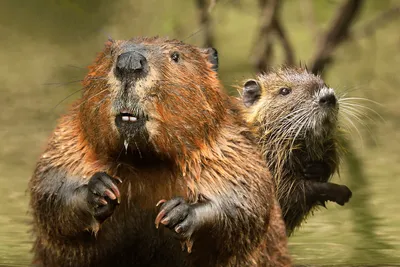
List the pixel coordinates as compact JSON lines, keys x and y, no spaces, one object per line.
{"x":103,"y":195}
{"x":179,"y":216}
{"x":317,"y":171}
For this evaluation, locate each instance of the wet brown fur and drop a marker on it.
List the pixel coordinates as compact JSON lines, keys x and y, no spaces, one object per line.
{"x":287,"y":158}
{"x":196,"y":145}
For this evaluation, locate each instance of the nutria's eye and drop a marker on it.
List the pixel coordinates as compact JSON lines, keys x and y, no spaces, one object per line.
{"x":284,"y":91}
{"x":175,"y":56}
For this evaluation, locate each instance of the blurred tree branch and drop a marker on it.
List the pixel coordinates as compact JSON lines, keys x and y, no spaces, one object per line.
{"x":271,"y":29}
{"x":379,"y":21}
{"x":336,"y":33}
{"x":204,"y":9}
{"x":307,"y":8}
{"x":287,"y":46}
{"x":269,"y":24}
{"x":263,"y":47}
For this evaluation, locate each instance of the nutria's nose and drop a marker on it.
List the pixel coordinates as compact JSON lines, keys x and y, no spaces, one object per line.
{"x":131,"y":64}
{"x":328,"y":100}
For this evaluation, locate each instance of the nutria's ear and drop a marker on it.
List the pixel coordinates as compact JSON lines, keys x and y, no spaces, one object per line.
{"x":251,"y":92}
{"x":212,"y":57}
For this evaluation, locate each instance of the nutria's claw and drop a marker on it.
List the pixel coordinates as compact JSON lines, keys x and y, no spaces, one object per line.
{"x":103,"y":195}
{"x":322,"y":203}
{"x":177,"y":215}
{"x":339,"y":194}
{"x":342,"y":195}
{"x":317,"y":171}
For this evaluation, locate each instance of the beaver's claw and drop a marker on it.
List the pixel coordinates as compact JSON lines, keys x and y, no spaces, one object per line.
{"x":103,"y":195}
{"x":179,"y":216}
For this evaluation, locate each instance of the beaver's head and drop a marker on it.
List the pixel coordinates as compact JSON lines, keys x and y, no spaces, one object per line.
{"x":291,"y":103}
{"x":152,"y":94}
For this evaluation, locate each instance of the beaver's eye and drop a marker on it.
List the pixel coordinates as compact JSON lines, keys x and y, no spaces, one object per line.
{"x":175,"y":56}
{"x":284,"y":91}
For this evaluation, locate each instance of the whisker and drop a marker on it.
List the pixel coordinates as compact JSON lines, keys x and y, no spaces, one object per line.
{"x":59,"y":84}
{"x":93,"y":96}
{"x":287,"y":120}
{"x":98,"y":104}
{"x":345,"y":99}
{"x":76,"y":67}
{"x":343,"y":90}
{"x":358,"y":119}
{"x":138,"y":149}
{"x":59,"y":103}
{"x":353,"y":125}
{"x":349,"y":113}
{"x":300,"y":127}
{"x":119,"y":155}
{"x":357,"y":113}
{"x":365,"y":107}
{"x":292,"y":122}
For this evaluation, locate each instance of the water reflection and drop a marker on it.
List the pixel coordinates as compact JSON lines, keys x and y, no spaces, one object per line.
{"x":366,"y":224}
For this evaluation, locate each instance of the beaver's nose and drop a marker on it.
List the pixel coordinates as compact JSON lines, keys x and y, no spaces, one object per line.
{"x":328,"y":100}
{"x":131,"y":63}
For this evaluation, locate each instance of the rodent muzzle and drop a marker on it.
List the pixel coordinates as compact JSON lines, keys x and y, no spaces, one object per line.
{"x":131,"y":65}
{"x":328,"y":100}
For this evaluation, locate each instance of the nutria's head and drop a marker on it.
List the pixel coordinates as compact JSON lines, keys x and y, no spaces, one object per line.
{"x":291,"y":104}
{"x":152,"y":94}
{"x":295,"y":115}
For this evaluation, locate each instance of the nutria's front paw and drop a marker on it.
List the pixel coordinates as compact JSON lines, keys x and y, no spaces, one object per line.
{"x":179,"y":216}
{"x":341,"y":194}
{"x":317,"y":171}
{"x":103,"y":195}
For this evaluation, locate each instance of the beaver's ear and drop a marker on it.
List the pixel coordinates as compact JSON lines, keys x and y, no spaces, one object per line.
{"x":212,"y":55}
{"x":251,"y":92}
{"x":108,"y":44}
{"x":110,"y":41}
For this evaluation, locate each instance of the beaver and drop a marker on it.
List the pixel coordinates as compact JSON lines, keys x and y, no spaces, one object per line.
{"x":154,"y":159}
{"x":295,"y":114}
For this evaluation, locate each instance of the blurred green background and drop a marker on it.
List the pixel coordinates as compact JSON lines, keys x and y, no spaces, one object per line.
{"x":45,"y":46}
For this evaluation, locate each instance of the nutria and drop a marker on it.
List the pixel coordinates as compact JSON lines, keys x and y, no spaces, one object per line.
{"x":152,"y":156}
{"x":296,"y":119}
